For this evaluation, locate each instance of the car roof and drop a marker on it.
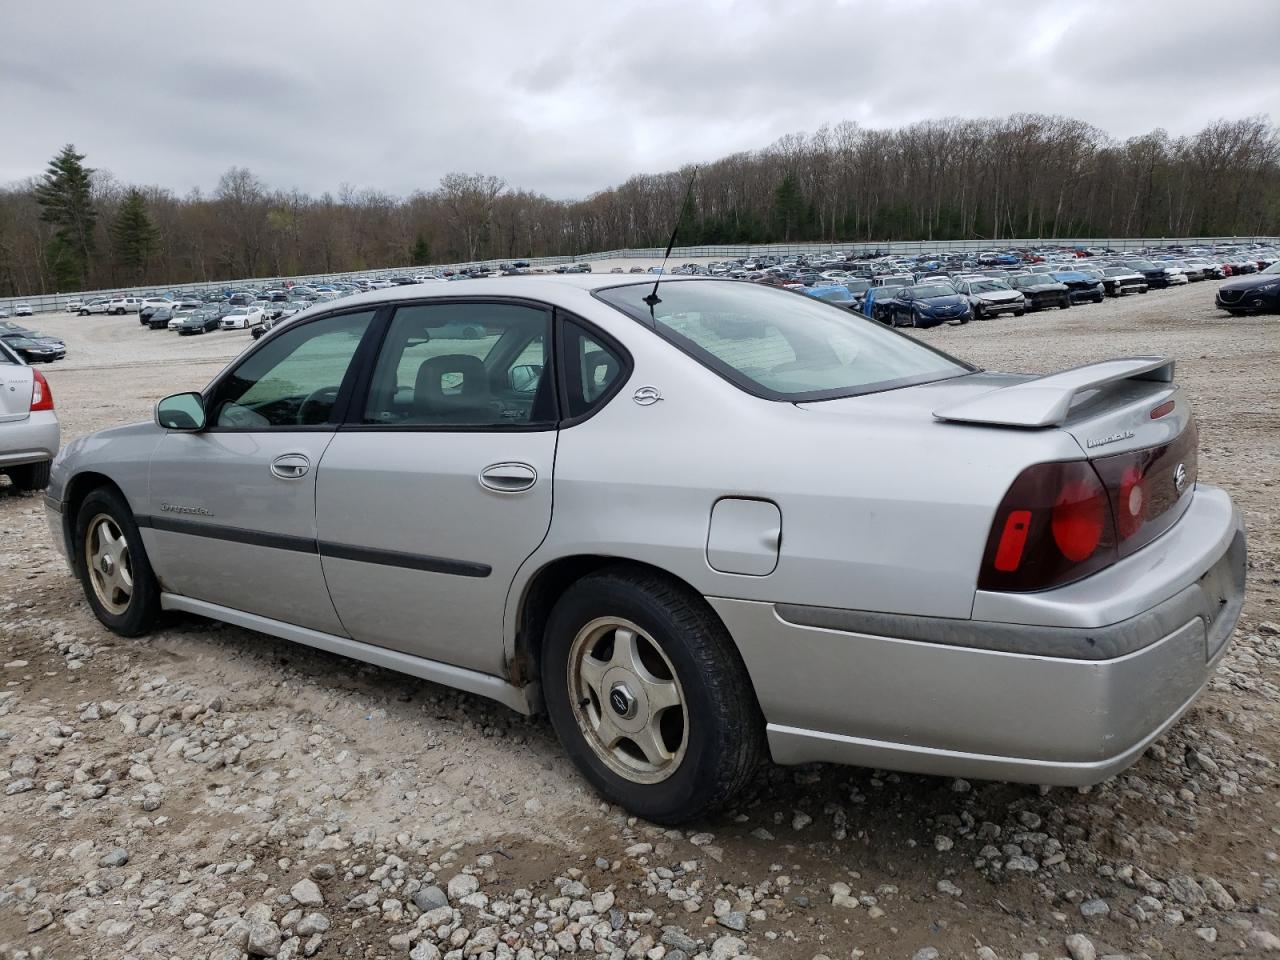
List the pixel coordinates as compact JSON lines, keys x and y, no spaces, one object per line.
{"x":535,"y":287}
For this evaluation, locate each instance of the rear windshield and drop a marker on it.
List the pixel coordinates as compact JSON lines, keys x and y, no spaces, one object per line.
{"x":776,"y":344}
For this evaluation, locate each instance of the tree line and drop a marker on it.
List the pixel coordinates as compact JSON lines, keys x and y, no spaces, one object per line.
{"x":1026,"y":175}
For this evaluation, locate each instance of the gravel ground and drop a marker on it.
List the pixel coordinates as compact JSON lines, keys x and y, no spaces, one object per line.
{"x":210,"y":793}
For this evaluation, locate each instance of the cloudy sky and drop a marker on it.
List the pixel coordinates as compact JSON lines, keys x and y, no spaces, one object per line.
{"x":567,"y":97}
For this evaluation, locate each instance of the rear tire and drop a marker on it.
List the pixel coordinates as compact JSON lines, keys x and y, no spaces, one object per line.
{"x":1065,"y":303}
{"x":707,"y":734}
{"x":30,"y":477}
{"x":112,"y":565}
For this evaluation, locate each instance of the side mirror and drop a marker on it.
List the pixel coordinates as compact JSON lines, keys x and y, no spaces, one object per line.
{"x":524,"y":377}
{"x":182,"y":411}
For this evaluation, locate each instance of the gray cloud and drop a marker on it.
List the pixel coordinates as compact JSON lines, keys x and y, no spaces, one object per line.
{"x":571,"y":97}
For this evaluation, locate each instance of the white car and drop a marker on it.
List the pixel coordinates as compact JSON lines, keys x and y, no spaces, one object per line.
{"x":242,"y":318}
{"x":28,"y":426}
{"x":122,"y":305}
{"x":22,"y":310}
{"x":74,"y":305}
{"x":157,"y":302}
{"x":99,"y":305}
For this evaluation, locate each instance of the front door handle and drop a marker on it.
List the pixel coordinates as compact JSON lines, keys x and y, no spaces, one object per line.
{"x":508,"y":477}
{"x":290,"y":466}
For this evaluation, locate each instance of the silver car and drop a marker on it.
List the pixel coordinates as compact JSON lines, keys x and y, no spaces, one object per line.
{"x":28,"y":425}
{"x":697,"y":523}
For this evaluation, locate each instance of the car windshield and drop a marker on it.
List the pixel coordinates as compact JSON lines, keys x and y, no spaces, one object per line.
{"x":933,"y":290}
{"x":774,"y":344}
{"x":987,"y":286}
{"x":858,"y":286}
{"x":1274,"y":268}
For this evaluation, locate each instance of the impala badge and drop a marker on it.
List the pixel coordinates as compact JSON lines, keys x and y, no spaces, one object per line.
{"x":1114,"y":438}
{"x":646,"y":396}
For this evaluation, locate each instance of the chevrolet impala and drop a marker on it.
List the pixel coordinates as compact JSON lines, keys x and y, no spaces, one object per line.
{"x":698,"y":522}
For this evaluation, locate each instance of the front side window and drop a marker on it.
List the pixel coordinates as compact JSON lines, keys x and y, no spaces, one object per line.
{"x":294,"y":379}
{"x":777,"y":345}
{"x":464,"y":365}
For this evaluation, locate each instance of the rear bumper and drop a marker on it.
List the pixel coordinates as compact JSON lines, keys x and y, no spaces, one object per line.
{"x":32,"y":440}
{"x":940,"y":702}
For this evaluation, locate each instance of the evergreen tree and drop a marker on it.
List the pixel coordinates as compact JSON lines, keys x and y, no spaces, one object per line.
{"x":421,"y":254}
{"x":135,"y":236}
{"x":788,"y":205}
{"x":64,"y":195}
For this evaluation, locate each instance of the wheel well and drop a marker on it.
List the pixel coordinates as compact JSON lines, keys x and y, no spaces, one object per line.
{"x":80,"y":486}
{"x":540,"y":596}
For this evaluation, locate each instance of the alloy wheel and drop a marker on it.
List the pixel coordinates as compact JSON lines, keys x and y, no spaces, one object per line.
{"x":106,"y":556}
{"x":627,"y":700}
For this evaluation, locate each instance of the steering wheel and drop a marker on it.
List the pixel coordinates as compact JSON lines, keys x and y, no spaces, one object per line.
{"x":326,"y":396}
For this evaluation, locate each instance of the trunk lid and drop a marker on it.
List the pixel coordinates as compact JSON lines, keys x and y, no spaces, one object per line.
{"x":1110,"y":407}
{"x":15,"y":391}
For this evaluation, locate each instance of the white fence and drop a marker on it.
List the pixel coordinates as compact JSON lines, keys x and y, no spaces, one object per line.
{"x":41,"y":303}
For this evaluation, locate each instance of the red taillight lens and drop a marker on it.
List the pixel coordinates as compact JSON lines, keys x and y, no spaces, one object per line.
{"x":41,"y":395}
{"x":1079,"y":517}
{"x":1053,"y":526}
{"x":1012,"y":541}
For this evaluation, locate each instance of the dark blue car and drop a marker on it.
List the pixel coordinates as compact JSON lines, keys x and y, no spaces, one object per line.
{"x":927,"y":305}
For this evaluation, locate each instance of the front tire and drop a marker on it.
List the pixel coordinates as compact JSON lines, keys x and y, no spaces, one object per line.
{"x":1065,"y":303}
{"x":112,"y":565}
{"x":648,"y":695}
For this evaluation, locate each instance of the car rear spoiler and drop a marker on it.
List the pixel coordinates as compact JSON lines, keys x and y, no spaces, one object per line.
{"x":1045,"y":401}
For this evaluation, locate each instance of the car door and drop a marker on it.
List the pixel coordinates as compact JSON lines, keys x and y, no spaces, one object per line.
{"x":232,"y":507}
{"x":439,"y":486}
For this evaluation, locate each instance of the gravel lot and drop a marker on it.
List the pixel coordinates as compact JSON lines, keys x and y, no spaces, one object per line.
{"x":207,"y":792}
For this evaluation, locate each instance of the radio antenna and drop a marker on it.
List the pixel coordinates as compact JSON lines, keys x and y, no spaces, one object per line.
{"x":653,"y":299}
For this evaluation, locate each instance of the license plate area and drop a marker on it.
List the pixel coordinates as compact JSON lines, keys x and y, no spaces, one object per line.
{"x":1222,"y":587}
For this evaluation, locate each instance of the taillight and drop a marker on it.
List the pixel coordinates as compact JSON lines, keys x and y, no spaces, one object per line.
{"x":1062,"y":521}
{"x":1149,"y":487}
{"x":41,"y":395}
{"x":1052,"y":527}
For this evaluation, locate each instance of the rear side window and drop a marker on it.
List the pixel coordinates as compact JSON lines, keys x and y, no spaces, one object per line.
{"x":450,"y":365}
{"x":592,"y":370}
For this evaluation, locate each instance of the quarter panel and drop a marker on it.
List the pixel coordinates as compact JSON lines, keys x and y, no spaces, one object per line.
{"x":884,"y":508}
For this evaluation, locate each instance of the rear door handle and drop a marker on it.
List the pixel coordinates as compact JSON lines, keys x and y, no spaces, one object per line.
{"x":290,"y":466}
{"x":508,"y":477}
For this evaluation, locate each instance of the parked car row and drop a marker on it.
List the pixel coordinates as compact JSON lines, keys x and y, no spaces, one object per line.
{"x":928,"y":290}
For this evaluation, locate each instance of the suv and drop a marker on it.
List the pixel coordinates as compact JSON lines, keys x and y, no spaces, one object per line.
{"x":22,"y":310}
{"x":122,"y":305}
{"x":100,"y":305}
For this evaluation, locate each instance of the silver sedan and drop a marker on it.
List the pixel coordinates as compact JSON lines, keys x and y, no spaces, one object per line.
{"x":698,"y":522}
{"x":29,"y":433}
